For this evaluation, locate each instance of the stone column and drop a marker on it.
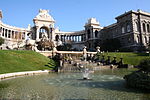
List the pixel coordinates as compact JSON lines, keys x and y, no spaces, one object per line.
{"x":11,"y":34}
{"x":64,"y":38}
{"x":79,"y":38}
{"x":76,"y":38}
{"x":7,"y":33}
{"x":61,"y":38}
{"x":71,"y":37}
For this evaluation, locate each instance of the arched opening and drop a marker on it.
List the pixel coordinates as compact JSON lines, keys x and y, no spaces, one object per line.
{"x":128,"y":28}
{"x":57,"y":37}
{"x":136,"y":26}
{"x":138,"y":39}
{"x":88,"y":33}
{"x":122,"y":29}
{"x":44,"y":32}
{"x":144,"y":28}
{"x":96,"y":34}
{"x":148,"y":28}
{"x":146,"y":40}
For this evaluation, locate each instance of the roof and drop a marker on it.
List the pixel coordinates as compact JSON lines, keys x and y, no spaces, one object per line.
{"x":136,"y":12}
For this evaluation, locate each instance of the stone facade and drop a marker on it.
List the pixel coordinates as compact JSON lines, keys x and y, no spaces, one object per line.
{"x":132,"y":29}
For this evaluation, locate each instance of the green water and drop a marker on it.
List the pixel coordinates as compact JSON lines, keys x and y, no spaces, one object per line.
{"x":105,"y":85}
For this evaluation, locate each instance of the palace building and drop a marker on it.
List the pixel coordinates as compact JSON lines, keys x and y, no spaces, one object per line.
{"x":131,"y":28}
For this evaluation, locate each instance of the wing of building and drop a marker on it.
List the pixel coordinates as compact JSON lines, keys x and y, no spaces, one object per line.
{"x":132,"y":29}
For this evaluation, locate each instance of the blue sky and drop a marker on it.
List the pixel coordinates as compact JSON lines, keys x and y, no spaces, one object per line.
{"x":70,"y":15}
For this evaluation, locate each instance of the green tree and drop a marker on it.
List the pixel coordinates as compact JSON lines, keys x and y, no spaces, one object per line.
{"x":1,"y":41}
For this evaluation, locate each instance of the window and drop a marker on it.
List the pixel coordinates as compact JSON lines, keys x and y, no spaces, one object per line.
{"x":138,"y":39}
{"x":122,"y":29}
{"x":136,"y":26}
{"x":145,"y":39}
{"x":148,"y":28}
{"x":128,"y":28}
{"x":144,"y":28}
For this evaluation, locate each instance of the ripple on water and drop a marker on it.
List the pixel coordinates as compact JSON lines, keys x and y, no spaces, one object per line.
{"x":68,"y":86}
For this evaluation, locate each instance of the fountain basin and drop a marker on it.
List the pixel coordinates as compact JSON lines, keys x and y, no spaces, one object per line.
{"x":106,"y":85}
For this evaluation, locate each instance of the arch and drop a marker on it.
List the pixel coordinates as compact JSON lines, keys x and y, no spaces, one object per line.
{"x":57,"y":37}
{"x":138,"y":39}
{"x":89,"y":33}
{"x":136,"y":26}
{"x":96,"y":34}
{"x":146,"y":40}
{"x":144,"y":27}
{"x":44,"y":31}
{"x":128,"y":27}
{"x":122,"y":29}
{"x":148,"y":28}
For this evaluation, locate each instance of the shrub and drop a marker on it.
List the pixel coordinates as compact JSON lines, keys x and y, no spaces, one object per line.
{"x":1,"y":41}
{"x":145,"y":65}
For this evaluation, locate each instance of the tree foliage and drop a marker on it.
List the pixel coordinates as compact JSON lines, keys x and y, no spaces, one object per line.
{"x":1,"y":41}
{"x":145,"y":65}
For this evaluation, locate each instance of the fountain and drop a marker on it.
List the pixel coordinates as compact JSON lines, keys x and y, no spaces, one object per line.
{"x":86,"y":74}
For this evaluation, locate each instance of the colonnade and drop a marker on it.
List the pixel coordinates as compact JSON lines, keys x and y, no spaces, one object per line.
{"x":12,"y":34}
{"x":72,"y":38}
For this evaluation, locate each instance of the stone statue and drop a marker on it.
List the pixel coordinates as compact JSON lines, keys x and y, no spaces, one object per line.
{"x":98,"y":49}
{"x":84,"y":53}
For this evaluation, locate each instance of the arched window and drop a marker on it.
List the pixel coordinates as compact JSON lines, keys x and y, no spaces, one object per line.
{"x":96,"y":34}
{"x":88,"y":33}
{"x":128,"y":28}
{"x":145,"y":39}
{"x":136,"y":26}
{"x":138,"y":39}
{"x":148,"y":28}
{"x":122,"y":29}
{"x":144,"y":27}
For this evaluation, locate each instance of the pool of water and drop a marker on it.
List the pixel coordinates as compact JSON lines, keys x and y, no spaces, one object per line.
{"x":105,"y":85}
